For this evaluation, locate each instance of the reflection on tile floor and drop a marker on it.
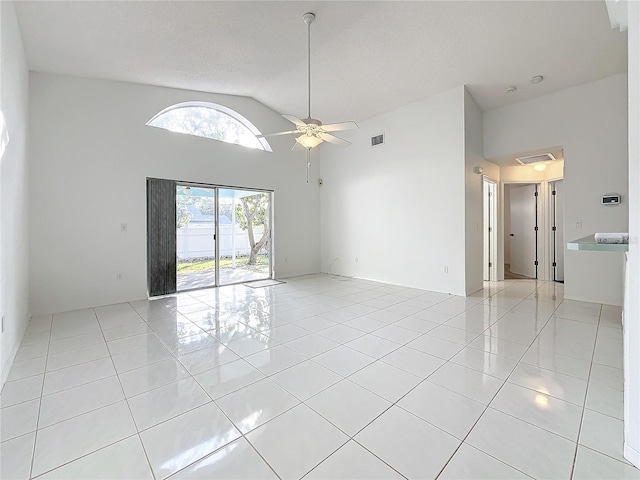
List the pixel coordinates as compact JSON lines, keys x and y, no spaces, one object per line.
{"x":321,"y":377}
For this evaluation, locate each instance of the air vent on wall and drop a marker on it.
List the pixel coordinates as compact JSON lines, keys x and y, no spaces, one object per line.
{"x":543,"y":157}
{"x":377,"y":140}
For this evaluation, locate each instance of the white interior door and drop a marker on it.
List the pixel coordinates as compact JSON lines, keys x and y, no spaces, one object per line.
{"x":558,"y":213}
{"x":489,"y":230}
{"x":523,"y":234}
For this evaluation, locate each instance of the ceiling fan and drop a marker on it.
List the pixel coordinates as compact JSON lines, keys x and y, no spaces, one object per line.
{"x":311,"y":132}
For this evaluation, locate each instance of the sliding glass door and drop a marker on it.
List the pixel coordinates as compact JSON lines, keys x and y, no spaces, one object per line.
{"x":244,"y":218}
{"x":195,"y":237}
{"x":201,"y":236}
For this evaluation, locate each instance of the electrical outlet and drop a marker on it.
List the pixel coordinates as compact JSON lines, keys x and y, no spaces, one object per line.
{"x":118,"y":276}
{"x":123,"y":227}
{"x":356,"y":259}
{"x":578,"y":225}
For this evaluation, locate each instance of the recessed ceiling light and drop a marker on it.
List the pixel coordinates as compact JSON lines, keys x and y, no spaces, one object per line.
{"x":537,"y":79}
{"x":540,"y":166}
{"x":511,"y":89}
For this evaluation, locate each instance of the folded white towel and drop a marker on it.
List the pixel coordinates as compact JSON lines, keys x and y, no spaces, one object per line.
{"x":612,"y":237}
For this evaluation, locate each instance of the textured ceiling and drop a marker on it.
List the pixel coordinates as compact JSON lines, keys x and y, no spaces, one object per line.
{"x":367,"y":57}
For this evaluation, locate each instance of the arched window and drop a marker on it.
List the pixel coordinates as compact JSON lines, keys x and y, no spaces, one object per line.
{"x":209,"y":120}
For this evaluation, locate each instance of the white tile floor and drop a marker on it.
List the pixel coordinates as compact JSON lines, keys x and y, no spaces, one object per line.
{"x":321,"y":377}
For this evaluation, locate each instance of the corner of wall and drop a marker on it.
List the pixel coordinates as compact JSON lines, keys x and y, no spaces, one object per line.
{"x":14,"y":184}
{"x":631,"y":333}
{"x":473,"y":217}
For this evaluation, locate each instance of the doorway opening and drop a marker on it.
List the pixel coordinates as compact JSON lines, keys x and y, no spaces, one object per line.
{"x":521,"y":229}
{"x":490,"y":229}
{"x":201,"y":236}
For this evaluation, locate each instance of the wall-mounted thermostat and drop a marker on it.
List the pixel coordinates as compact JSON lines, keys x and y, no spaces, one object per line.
{"x":611,"y":199}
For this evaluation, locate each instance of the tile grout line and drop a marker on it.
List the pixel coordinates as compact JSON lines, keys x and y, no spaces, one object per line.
{"x":242,"y":434}
{"x":626,"y":463}
{"x":494,"y":396}
{"x":352,"y":437}
{"x":153,"y":476}
{"x":35,"y":437}
{"x":586,"y":393}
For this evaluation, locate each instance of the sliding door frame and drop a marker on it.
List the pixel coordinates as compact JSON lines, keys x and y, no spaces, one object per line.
{"x":216,"y":216}
{"x":216,"y":188}
{"x":270,"y":212}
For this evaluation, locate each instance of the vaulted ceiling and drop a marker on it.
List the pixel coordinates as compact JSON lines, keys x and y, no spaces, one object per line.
{"x":367,"y":57}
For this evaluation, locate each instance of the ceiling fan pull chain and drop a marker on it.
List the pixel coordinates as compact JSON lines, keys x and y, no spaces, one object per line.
{"x":308,"y":162}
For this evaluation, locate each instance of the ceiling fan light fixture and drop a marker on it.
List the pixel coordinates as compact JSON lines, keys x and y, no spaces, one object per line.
{"x":308,"y":141}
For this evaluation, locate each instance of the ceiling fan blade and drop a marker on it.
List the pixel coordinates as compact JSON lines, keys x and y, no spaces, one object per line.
{"x":327,"y":137}
{"x":296,"y":120}
{"x":334,"y":127}
{"x":277,"y":133}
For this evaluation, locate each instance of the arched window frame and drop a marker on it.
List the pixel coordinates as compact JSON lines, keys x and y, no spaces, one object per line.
{"x":219,"y":108}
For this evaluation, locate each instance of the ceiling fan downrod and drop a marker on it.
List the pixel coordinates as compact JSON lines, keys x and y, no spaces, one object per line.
{"x":308,"y":19}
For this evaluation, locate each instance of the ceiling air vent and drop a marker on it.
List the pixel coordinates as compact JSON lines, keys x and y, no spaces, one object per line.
{"x":543,"y":157}
{"x":377,"y":140}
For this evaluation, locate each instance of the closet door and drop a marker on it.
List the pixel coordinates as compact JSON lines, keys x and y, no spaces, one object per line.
{"x":161,"y":236}
{"x":524,"y":230}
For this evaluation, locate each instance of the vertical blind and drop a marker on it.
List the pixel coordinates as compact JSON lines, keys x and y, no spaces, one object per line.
{"x":161,"y":236}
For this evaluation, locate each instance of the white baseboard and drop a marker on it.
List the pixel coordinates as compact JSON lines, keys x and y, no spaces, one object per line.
{"x":632,"y":455}
{"x":7,"y":366}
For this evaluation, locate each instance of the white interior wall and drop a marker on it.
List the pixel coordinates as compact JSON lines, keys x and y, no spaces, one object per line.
{"x":395,"y":212}
{"x":14,"y":236}
{"x":90,"y":155}
{"x":632,"y":307}
{"x":473,"y":154}
{"x":590,"y":122}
